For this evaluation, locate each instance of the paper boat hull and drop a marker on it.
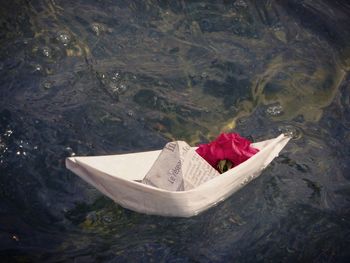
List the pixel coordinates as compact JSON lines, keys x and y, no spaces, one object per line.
{"x":118,"y":176}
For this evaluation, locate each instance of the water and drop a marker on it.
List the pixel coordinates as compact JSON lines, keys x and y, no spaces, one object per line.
{"x":103,"y":77}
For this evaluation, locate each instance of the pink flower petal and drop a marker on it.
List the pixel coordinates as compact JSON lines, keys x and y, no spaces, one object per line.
{"x":227,"y":146}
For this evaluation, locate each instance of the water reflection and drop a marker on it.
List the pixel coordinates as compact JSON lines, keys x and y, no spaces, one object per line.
{"x":102,"y":77}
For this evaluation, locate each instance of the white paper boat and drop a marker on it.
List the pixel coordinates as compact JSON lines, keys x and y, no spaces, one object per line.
{"x":118,"y":176}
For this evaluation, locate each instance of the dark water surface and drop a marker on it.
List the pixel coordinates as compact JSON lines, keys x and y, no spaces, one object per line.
{"x":103,"y":77}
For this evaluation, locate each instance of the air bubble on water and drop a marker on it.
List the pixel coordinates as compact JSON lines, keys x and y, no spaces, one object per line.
{"x":38,"y":68}
{"x":70,"y":151}
{"x":204,"y":75}
{"x":290,"y":131}
{"x":15,"y":238}
{"x":46,"y":51}
{"x":64,"y":37}
{"x":113,"y":87}
{"x":107,"y":218}
{"x":97,"y":28}
{"x":47,"y":85}
{"x":115,"y":76}
{"x":8,"y":133}
{"x":122,"y":88}
{"x":274,"y":110}
{"x":118,"y":89}
{"x":241,"y":3}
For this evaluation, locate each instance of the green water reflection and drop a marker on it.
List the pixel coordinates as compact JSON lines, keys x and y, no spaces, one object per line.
{"x":103,"y":77}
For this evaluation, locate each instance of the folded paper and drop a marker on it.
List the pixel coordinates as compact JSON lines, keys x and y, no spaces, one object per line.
{"x":179,"y":168}
{"x":117,"y":177}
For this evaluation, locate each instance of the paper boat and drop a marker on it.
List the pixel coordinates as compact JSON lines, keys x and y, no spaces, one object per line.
{"x":119,"y":176}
